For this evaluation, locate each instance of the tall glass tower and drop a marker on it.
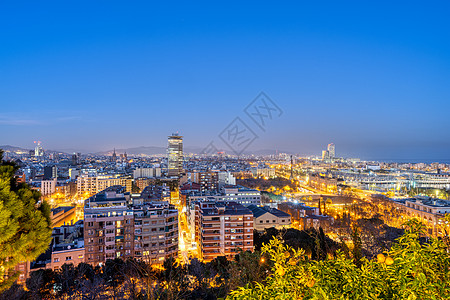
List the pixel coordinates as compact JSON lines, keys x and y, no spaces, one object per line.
{"x":175,"y":155}
{"x":331,"y":150}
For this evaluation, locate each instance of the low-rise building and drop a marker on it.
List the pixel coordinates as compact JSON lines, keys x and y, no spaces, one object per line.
{"x":235,"y":193}
{"x":263,"y":172}
{"x":267,"y":217}
{"x":305,"y":217}
{"x":67,"y":253}
{"x":323,"y":183}
{"x":242,"y":195}
{"x":429,"y":210}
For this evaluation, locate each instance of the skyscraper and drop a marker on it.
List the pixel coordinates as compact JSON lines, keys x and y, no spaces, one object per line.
{"x":175,"y":155}
{"x":331,"y":150}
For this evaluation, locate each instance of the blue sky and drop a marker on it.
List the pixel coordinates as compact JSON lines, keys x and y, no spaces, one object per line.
{"x":372,"y":78}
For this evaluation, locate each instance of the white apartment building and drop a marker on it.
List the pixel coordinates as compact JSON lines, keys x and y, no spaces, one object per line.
{"x":48,"y":187}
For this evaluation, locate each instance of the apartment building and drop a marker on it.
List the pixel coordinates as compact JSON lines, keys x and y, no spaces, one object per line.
{"x":108,"y":226}
{"x":117,"y":226}
{"x":235,"y":193}
{"x":225,"y":178}
{"x":155,"y":232}
{"x":91,"y":185}
{"x":242,"y":195}
{"x":142,"y":183}
{"x":208,"y":180}
{"x":146,"y":173}
{"x":48,"y":187}
{"x":429,"y":210}
{"x":222,"y":229}
{"x":67,"y":254}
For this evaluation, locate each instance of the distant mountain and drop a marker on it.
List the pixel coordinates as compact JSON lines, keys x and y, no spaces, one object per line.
{"x":147,"y":150}
{"x":136,"y":151}
{"x":12,"y":148}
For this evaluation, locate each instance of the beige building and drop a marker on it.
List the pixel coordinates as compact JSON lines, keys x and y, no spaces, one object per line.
{"x":155,"y":232}
{"x":66,"y":255}
{"x":323,"y":183}
{"x":222,"y":229}
{"x":267,"y":217}
{"x":429,"y":210}
{"x":263,"y":172}
{"x":146,"y":173}
{"x":91,"y":185}
{"x":48,"y":187}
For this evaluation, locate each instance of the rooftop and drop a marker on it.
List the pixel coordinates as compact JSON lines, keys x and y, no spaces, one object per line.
{"x":226,"y":208}
{"x":259,"y":211}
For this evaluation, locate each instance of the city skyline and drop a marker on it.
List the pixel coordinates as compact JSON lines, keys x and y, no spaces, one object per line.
{"x":113,"y":76}
{"x":224,"y":150}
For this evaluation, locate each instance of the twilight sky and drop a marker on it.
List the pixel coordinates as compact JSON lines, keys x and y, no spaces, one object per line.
{"x":92,"y":75}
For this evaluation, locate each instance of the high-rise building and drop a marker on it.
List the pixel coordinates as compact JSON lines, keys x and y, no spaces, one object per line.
{"x":208,"y":180}
{"x":331,"y":150}
{"x":114,"y":228}
{"x":222,"y":229}
{"x":50,"y":172}
{"x":175,"y":155}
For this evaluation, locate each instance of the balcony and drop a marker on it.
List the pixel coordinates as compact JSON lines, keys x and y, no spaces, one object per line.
{"x":210,"y":238}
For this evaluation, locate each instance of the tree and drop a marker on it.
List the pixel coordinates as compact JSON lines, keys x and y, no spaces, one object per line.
{"x":410,"y":270}
{"x":25,"y":225}
{"x":315,"y":243}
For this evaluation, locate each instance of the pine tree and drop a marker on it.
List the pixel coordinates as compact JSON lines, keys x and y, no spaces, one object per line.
{"x":25,"y":225}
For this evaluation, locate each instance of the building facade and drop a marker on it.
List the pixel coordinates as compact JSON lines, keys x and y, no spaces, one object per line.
{"x":117,"y":226}
{"x":222,"y":229}
{"x":91,"y":185}
{"x":428,"y":210}
{"x":48,"y":187}
{"x":268,"y":217}
{"x":175,"y":155}
{"x":209,"y":181}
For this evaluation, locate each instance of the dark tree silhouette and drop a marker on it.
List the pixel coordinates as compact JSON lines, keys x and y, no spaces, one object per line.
{"x":25,"y":225}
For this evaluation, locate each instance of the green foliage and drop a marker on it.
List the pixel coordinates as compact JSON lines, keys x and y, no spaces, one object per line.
{"x":316,"y":244}
{"x":25,"y":225}
{"x":410,"y":270}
